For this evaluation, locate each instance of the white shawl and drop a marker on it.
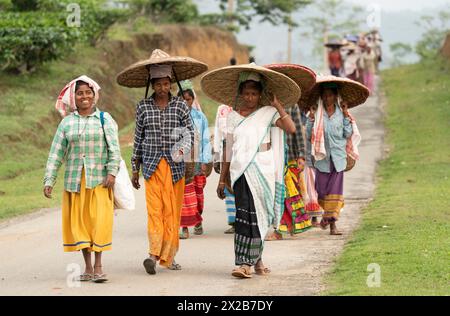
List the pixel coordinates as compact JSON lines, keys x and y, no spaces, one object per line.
{"x":264,"y":171}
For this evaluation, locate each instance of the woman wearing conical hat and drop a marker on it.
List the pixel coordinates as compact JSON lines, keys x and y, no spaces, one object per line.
{"x":334,"y":137}
{"x":254,"y":153}
{"x":163,"y":136}
{"x":294,"y":220}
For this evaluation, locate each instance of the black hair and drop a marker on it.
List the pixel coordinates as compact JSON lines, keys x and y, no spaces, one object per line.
{"x":80,"y":83}
{"x":251,"y":84}
{"x":322,"y":89}
{"x":233,"y":61}
{"x":188,"y":91}
{"x":251,"y":60}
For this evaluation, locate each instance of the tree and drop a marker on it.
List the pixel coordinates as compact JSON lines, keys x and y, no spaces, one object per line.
{"x":25,"y":5}
{"x":399,"y":52}
{"x":334,"y":19}
{"x":273,"y":11}
{"x":168,"y":11}
{"x":436,"y":28}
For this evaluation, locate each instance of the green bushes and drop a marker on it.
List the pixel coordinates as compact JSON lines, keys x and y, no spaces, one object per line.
{"x":29,"y":39}
{"x":34,"y":32}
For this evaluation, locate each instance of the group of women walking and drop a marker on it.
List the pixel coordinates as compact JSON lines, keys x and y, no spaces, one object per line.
{"x":356,"y":57}
{"x":286,"y":137}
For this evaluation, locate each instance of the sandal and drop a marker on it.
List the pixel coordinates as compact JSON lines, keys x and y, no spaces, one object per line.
{"x":198,"y":229}
{"x":99,"y":278}
{"x":85,"y":277}
{"x":243,"y":272}
{"x":336,"y":233}
{"x":184,"y":234}
{"x":174,"y":266}
{"x":150,"y":265}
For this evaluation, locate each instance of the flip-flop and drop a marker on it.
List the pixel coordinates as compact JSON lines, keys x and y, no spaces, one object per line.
{"x":198,"y":230}
{"x":174,"y":266}
{"x":150,"y":265}
{"x":241,"y":273}
{"x":85,"y":277}
{"x":99,"y":278}
{"x":184,"y":234}
{"x":336,"y":233}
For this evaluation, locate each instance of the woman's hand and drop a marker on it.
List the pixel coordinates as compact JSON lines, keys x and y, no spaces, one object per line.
{"x":344,"y":106}
{"x":135,"y":180}
{"x":109,"y":181}
{"x":48,"y":192}
{"x":275,"y":102}
{"x":221,"y":190}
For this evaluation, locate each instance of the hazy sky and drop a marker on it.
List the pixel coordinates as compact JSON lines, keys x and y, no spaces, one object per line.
{"x":389,"y":5}
{"x":398,"y":19}
{"x":399,"y":5}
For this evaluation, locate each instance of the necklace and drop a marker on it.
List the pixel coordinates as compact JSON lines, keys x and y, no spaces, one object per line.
{"x":84,"y":127}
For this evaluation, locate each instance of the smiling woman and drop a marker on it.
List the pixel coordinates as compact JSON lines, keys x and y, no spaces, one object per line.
{"x":92,"y":154}
{"x":84,"y":98}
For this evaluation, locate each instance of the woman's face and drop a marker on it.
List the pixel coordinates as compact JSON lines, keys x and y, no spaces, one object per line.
{"x":329,"y":98}
{"x":189,"y":100}
{"x":84,"y":97}
{"x":251,"y":97}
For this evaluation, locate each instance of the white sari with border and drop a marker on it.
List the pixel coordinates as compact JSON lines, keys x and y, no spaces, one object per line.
{"x":264,"y":171}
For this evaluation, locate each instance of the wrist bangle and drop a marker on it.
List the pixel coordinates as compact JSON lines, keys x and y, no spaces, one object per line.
{"x":284,"y":117}
{"x":222,"y":183}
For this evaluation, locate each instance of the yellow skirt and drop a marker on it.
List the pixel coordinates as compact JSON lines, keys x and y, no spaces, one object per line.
{"x":87,"y":218}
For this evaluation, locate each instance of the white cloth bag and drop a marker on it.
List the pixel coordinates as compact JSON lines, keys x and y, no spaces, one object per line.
{"x":123,"y":189}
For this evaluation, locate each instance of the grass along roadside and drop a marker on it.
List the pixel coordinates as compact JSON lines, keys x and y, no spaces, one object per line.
{"x":406,"y":229}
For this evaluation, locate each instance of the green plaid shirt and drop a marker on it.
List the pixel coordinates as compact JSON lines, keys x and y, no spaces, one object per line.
{"x":79,"y":141}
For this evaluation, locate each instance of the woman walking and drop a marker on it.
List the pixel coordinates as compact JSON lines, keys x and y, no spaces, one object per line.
{"x":369,"y":60}
{"x":254,"y":153}
{"x":295,"y":220}
{"x":162,"y":137}
{"x":193,"y":203}
{"x":87,"y":140}
{"x":330,"y":130}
